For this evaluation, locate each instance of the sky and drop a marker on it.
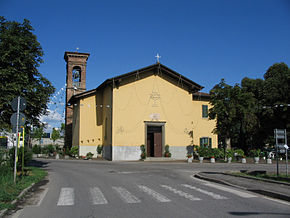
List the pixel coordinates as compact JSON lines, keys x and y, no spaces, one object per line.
{"x":204,"y":40}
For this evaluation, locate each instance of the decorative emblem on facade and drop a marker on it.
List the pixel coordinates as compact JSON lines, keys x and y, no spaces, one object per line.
{"x":155,"y":96}
{"x":120,"y":130}
{"x":155,"y":117}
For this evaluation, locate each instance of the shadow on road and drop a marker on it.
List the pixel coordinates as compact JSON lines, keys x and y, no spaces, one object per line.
{"x":257,"y":213}
{"x":38,"y":163}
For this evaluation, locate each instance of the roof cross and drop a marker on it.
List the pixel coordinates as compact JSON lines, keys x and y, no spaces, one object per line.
{"x":157,"y":57}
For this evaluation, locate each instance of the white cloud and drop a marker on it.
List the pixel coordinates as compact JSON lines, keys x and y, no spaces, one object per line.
{"x":53,"y":116}
{"x":52,"y":120}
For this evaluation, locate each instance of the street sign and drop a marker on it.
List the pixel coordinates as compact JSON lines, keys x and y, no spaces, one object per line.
{"x":21,"y":119}
{"x":22,"y":104}
{"x":281,"y":135}
{"x":280,"y":131}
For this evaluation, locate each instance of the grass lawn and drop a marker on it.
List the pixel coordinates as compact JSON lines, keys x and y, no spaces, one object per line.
{"x":9,"y":191}
{"x":281,"y":178}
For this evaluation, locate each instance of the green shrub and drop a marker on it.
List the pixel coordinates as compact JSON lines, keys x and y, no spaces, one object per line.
{"x":50,"y":149}
{"x":217,"y":153}
{"x":44,"y":150}
{"x":239,"y":152}
{"x":36,"y":149}
{"x":4,"y":156}
{"x":230,"y":153}
{"x":203,"y":152}
{"x":255,"y":153}
{"x":58,"y":149}
{"x":167,"y":152}
{"x":27,"y":156}
{"x":143,"y":152}
{"x":99,"y":149}
{"x":74,"y":151}
{"x":89,"y":155}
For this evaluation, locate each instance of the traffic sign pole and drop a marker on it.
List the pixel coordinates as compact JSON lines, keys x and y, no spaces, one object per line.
{"x":17,"y":121}
{"x":286,"y":147}
{"x":23,"y":140}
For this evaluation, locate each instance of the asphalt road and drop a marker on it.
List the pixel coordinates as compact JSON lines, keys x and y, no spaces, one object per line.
{"x":142,"y":189}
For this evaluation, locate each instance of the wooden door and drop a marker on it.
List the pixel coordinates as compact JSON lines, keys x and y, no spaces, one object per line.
{"x":150,"y":148}
{"x":158,"y":144}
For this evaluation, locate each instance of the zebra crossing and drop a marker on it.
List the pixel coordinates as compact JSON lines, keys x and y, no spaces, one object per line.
{"x":184,"y":191}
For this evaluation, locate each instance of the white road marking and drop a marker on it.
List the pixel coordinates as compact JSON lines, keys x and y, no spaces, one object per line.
{"x":213,"y":195}
{"x":231,"y":190}
{"x":126,"y":195}
{"x":277,"y":200}
{"x":97,"y":196}
{"x":66,"y":197}
{"x":42,"y":196}
{"x":181,"y":193}
{"x":154,"y":194}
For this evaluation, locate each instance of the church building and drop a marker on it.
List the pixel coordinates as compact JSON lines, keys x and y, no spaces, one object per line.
{"x":153,"y":106}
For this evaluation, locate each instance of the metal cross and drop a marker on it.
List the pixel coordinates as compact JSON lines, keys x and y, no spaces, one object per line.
{"x":157,"y":57}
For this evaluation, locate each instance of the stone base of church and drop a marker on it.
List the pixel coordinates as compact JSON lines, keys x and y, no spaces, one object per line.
{"x":126,"y":153}
{"x":178,"y":152}
{"x":83,"y":150}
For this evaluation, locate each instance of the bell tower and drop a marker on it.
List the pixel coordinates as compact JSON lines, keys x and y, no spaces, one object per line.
{"x":75,"y":83}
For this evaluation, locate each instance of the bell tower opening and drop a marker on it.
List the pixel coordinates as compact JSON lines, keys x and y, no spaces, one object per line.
{"x":75,"y":83}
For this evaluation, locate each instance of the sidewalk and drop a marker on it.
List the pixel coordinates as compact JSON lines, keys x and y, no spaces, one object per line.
{"x":279,"y":190}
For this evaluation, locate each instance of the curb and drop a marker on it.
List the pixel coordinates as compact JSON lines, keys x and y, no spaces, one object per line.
{"x":259,"y":179}
{"x":2,"y":212}
{"x":259,"y":191}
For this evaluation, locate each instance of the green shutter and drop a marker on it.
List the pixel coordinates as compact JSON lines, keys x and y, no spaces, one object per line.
{"x":200,"y":142}
{"x":204,"y":111}
{"x":209,"y":142}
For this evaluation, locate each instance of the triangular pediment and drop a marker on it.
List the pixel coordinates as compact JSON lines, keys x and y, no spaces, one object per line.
{"x":155,"y":69}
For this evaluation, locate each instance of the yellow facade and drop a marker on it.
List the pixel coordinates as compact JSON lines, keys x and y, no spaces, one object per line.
{"x":118,"y":117}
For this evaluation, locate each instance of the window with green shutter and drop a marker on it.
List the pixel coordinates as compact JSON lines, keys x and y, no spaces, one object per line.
{"x":205,"y":142}
{"x":204,"y":111}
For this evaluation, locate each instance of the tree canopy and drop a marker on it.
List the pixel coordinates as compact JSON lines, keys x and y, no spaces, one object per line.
{"x":20,"y":56}
{"x":55,"y":135}
{"x":247,"y":114}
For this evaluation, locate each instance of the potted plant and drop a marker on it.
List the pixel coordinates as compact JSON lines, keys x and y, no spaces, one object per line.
{"x":143,"y":152}
{"x":89,"y":156}
{"x":189,"y":158}
{"x":255,"y":153}
{"x":229,"y":155}
{"x":167,"y":153}
{"x":202,"y":152}
{"x":212,"y":159}
{"x":74,"y":151}
{"x":244,"y":160}
{"x":99,"y":151}
{"x":269,"y":160}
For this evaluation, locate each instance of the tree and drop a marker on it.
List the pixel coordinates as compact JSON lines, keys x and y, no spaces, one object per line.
{"x":277,"y":96}
{"x":62,"y":130}
{"x":38,"y":133}
{"x":272,"y":97}
{"x":55,"y":135}
{"x":233,"y":110}
{"x":20,"y":56}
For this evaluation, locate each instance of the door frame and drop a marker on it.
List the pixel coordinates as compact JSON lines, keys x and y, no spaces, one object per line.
{"x":155,"y":123}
